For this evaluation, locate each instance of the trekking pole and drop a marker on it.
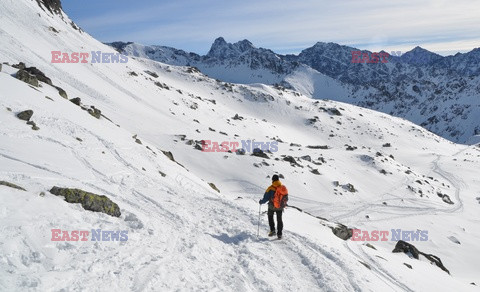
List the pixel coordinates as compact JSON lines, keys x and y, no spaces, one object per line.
{"x":259,"y":212}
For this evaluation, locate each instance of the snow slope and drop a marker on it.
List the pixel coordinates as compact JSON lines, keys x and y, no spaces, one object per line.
{"x":182,"y":234}
{"x":438,"y":93}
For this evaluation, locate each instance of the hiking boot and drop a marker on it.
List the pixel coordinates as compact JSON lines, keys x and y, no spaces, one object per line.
{"x":279,"y":236}
{"x":272,"y":233}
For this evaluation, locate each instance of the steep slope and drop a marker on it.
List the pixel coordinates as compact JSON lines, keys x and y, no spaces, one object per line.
{"x":183,"y":234}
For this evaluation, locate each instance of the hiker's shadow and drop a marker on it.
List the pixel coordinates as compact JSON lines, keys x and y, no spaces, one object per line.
{"x":237,"y":239}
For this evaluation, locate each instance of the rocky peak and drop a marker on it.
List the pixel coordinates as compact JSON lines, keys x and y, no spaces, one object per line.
{"x":420,"y":56}
{"x":54,"y":6}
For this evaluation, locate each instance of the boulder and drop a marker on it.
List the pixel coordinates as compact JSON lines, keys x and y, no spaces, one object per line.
{"x":291,"y":160}
{"x":212,"y":185}
{"x":259,"y":153}
{"x":169,"y":155}
{"x":76,"y":101}
{"x":25,"y":115}
{"x":95,"y":112}
{"x":61,"y":92}
{"x":39,"y":74}
{"x":26,"y":77}
{"x":89,"y":201}
{"x":342,"y":231}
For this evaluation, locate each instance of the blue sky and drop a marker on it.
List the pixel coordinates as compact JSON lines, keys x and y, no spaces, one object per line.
{"x":442,"y":26}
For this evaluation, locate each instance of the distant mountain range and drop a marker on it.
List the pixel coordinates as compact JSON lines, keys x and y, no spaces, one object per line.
{"x":439,"y":93}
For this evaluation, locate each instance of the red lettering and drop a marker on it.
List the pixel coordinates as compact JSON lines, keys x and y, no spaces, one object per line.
{"x":215,"y":147}
{"x":384,"y":235}
{"x":365,"y":58}
{"x":224,"y":146}
{"x":375,"y":58}
{"x":84,"y":57}
{"x":365,"y":236}
{"x":75,"y":58}
{"x":55,"y":56}
{"x":374,"y":235}
{"x":65,"y":58}
{"x":74,"y":235}
{"x":65,"y":236}
{"x":55,"y":233}
{"x":384,"y":57}
{"x":84,"y":235}
{"x":356,"y":56}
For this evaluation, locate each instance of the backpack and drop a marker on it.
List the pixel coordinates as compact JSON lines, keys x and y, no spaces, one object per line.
{"x":280,"y":197}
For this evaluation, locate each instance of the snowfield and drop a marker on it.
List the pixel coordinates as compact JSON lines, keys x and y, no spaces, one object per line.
{"x":373,"y":172}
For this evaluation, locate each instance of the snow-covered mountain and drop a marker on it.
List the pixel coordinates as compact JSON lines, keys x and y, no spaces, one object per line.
{"x":132,"y":132}
{"x":438,"y":93}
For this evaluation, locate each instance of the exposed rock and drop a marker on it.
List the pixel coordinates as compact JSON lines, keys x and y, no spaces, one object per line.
{"x":237,"y":117}
{"x":350,"y":188}
{"x":212,"y":185}
{"x":76,"y":101}
{"x":242,"y":151}
{"x":153,"y":74}
{"x":307,"y":158}
{"x":7,"y":184}
{"x":39,"y":74}
{"x":95,"y":112}
{"x":291,"y":160}
{"x":19,"y":66}
{"x":411,"y":250}
{"x":454,"y":239}
{"x":0,"y":67}
{"x":334,"y":111}
{"x":342,"y":231}
{"x":89,"y":201}
{"x":408,"y":266}
{"x":370,"y":246}
{"x":351,"y":148}
{"x":54,"y":6}
{"x":34,"y":126}
{"x":169,"y":155}
{"x":325,"y":147}
{"x":259,"y":153}
{"x":26,"y":77}
{"x":25,"y":115}
{"x":387,"y":145}
{"x":315,"y":171}
{"x":162,"y":173}
{"x":365,"y":264}
{"x":407,"y":248}
{"x":61,"y":92}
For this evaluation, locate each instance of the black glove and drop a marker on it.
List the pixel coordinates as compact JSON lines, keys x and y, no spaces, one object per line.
{"x":260,"y":202}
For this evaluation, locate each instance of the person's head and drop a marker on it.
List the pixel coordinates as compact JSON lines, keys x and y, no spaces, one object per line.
{"x":275,"y":178}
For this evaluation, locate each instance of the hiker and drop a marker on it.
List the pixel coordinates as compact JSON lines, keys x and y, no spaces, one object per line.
{"x":277,"y":196}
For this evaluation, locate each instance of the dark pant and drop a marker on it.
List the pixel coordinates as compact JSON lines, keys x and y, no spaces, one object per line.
{"x":279,"y":221}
